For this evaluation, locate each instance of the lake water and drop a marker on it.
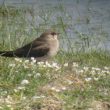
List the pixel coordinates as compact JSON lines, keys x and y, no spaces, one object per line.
{"x":89,"y":17}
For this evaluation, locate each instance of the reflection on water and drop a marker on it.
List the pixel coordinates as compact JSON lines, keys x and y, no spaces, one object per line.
{"x":88,"y":17}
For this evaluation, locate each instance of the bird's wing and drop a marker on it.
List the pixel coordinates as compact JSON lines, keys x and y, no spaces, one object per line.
{"x":33,"y":44}
{"x":39,"y":51}
{"x":34,"y":49}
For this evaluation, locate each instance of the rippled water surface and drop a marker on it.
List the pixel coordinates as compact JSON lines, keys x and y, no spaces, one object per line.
{"x":88,"y":17}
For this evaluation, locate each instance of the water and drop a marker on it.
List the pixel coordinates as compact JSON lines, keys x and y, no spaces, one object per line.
{"x":89,"y":17}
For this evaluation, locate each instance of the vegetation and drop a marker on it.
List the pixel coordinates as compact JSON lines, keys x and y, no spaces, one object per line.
{"x":77,"y":79}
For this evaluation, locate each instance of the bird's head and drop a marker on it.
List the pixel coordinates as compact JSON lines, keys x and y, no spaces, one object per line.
{"x":50,"y":35}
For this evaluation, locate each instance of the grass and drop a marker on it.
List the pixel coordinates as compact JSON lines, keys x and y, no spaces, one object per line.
{"x":27,"y":84}
{"x":74,"y":80}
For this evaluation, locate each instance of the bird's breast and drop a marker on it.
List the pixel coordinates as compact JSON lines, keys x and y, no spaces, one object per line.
{"x":54,"y":47}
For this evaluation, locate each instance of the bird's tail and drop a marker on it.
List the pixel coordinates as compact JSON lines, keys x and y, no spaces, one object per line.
{"x":7,"y":53}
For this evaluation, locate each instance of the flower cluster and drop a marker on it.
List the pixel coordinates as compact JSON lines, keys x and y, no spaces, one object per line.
{"x":61,"y":77}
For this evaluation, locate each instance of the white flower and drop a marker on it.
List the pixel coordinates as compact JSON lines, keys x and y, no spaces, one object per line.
{"x":93,"y":68}
{"x":81,"y":71}
{"x":96,"y":79}
{"x":48,"y":64}
{"x":55,"y":89}
{"x":25,"y":66}
{"x":40,"y":63}
{"x":38,"y":97}
{"x":24,"y":82}
{"x":37,"y":75}
{"x":26,"y":61}
{"x":54,"y":64}
{"x":70,"y":82}
{"x":18,"y":60}
{"x":29,"y":75}
{"x":108,"y":72}
{"x":15,"y":90}
{"x":20,"y":88}
{"x":63,"y":88}
{"x":103,"y":71}
{"x":66,"y":64}
{"x":9,"y":99}
{"x":86,"y":68}
{"x":12,"y":65}
{"x":1,"y":108}
{"x":88,"y":79}
{"x":75,"y":64}
{"x":23,"y":98}
{"x":97,"y":69}
{"x":33,"y":60}
{"x":93,"y":72}
{"x":9,"y":105}
{"x":106,"y":68}
{"x":44,"y":66}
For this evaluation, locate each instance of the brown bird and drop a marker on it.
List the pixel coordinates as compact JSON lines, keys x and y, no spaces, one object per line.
{"x":42,"y":48}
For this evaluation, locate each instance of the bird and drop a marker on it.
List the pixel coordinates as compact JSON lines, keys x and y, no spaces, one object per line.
{"x":42,"y":48}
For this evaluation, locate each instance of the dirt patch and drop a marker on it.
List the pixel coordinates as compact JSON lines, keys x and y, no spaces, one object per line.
{"x":98,"y":105}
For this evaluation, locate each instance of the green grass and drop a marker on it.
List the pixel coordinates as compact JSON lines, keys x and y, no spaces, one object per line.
{"x":75,"y":80}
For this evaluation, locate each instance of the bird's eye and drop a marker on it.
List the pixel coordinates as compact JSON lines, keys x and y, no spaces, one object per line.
{"x":53,"y":33}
